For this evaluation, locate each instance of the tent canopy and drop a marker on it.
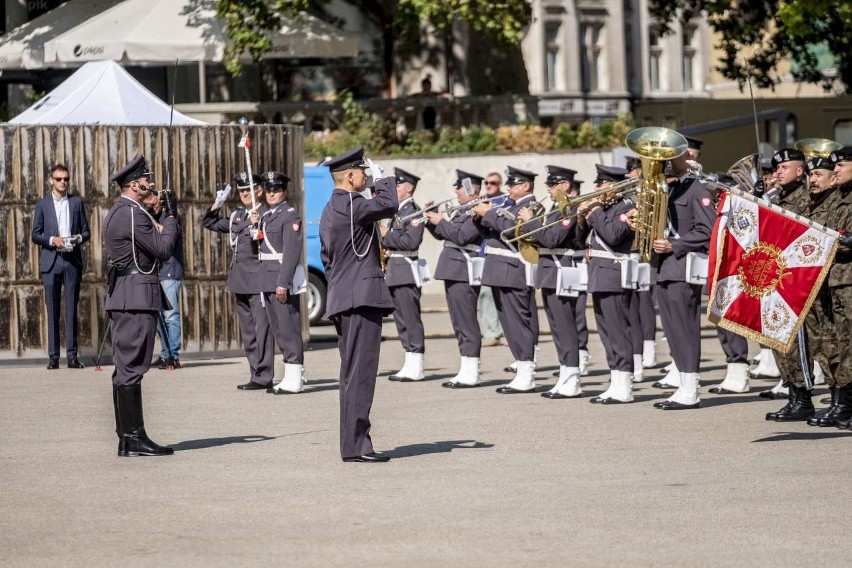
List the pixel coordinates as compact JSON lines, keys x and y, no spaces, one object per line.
{"x":101,"y":92}
{"x":156,"y":31}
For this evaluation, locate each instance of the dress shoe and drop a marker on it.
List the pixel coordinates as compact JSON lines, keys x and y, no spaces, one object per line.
{"x":672,"y":405}
{"x":75,"y":364}
{"x":720,"y":390}
{"x":455,"y":385}
{"x":509,"y":369}
{"x":825,"y":400}
{"x":557,"y":396}
{"x":250,"y":386}
{"x":771,"y":395}
{"x":659,"y":385}
{"x":159,"y":363}
{"x":53,"y":364}
{"x":601,"y":400}
{"x":368,"y":458}
{"x":510,"y":390}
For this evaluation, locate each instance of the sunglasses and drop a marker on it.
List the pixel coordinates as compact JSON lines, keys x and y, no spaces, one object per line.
{"x":244,"y":189}
{"x":274,"y":189}
{"x":65,"y":179}
{"x":497,"y":183}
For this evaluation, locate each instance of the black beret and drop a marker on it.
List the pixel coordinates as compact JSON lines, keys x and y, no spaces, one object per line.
{"x":241,"y":180}
{"x":275,"y":179}
{"x":347,"y":160}
{"x":632,"y":162}
{"x":609,"y":173}
{"x":842,"y":155}
{"x":515,"y":176}
{"x":461,"y":175}
{"x":787,"y":155}
{"x":819,"y":163}
{"x":136,"y":169}
{"x":403,"y":176}
{"x":694,"y":143}
{"x":557,"y":174}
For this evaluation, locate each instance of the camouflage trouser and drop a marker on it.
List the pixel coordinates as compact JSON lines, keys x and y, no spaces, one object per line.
{"x":821,"y":339}
{"x":841,"y":303}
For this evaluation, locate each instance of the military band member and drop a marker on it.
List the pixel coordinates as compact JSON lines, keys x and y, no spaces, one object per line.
{"x":511,"y":279}
{"x":243,"y":275}
{"x":358,"y":296}
{"x":134,"y":246}
{"x":557,"y":250}
{"x":605,"y":228}
{"x":791,"y":193}
{"x":280,"y":254}
{"x":691,"y":215}
{"x":462,"y":239}
{"x":402,"y":240}
{"x":583,"y":297}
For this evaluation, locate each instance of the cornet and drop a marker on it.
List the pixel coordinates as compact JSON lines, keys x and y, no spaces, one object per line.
{"x":422,"y":212}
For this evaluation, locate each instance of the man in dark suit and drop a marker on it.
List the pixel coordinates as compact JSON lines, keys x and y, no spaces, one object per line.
{"x":60,"y":227}
{"x":134,"y":247}
{"x":358,"y":296}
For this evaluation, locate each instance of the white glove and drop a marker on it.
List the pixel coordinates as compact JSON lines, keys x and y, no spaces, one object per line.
{"x":377,"y":171}
{"x":222,"y":196}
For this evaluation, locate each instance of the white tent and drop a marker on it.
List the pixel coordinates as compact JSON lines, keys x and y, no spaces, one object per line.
{"x":152,"y":31}
{"x":101,"y":92}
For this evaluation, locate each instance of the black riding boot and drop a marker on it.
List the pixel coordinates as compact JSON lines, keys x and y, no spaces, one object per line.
{"x":132,"y":439}
{"x":841,"y":409}
{"x":791,"y":397}
{"x":801,"y":409}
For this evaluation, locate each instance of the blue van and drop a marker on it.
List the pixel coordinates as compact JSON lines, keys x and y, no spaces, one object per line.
{"x":318,"y":188}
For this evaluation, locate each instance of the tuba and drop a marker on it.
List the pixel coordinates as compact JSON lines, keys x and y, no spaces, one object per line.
{"x":655,"y":145}
{"x":746,"y":172}
{"x":817,"y":147}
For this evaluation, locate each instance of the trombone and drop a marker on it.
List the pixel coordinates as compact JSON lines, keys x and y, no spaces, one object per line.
{"x":422,"y":212}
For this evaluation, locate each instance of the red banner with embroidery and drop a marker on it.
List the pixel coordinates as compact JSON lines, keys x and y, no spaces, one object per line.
{"x":766,"y":267}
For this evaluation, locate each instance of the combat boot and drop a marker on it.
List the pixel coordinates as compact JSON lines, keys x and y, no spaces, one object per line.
{"x":814,"y":420}
{"x":791,"y":395}
{"x":840,"y":410}
{"x":801,"y":409}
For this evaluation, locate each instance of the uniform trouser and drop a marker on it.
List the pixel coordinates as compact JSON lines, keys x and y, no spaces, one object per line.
{"x":580,"y":316}
{"x":461,"y":302}
{"x":64,"y":273}
{"x":513,"y":306}
{"x":406,"y":316}
{"x":168,"y":326}
{"x":133,"y":333}
{"x":560,"y":312}
{"x":489,"y":320}
{"x":359,"y":337}
{"x":841,"y":306}
{"x":735,"y":346}
{"x":636,"y":336}
{"x":534,"y":315}
{"x":647,"y":316}
{"x":612,"y":314}
{"x":680,"y":313}
{"x":823,"y":344}
{"x":257,"y":338}
{"x":285,"y":322}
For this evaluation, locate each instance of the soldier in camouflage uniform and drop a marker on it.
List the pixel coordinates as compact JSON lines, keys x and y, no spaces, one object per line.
{"x":840,"y":282}
{"x":792,"y":194}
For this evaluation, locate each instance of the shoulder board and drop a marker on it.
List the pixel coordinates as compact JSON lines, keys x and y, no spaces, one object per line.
{"x":291,"y":209}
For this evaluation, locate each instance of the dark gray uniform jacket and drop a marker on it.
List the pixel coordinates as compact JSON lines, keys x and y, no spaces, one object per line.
{"x":562,"y":235}
{"x":502,"y":271}
{"x":348,"y":232}
{"x":243,"y":276}
{"x":610,"y":227}
{"x":403,"y":238}
{"x":282,"y":233}
{"x":460,"y":230}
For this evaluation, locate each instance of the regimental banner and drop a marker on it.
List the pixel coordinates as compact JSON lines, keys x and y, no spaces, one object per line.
{"x":766,"y":267}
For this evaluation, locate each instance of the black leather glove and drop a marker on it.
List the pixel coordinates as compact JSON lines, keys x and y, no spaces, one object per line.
{"x":845,"y":239}
{"x":169,"y":203}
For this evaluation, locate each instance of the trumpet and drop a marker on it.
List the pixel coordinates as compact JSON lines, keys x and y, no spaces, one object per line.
{"x":466,"y":208}
{"x":422,"y":213}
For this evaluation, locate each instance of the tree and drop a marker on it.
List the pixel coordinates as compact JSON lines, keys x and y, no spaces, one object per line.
{"x":758,"y":35}
{"x":247,"y":21}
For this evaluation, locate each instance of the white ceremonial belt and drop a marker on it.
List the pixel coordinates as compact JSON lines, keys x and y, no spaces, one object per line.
{"x":403,"y":253}
{"x":501,"y":252}
{"x":557,"y":252}
{"x":616,"y":256}
{"x":269,"y":256}
{"x":471,"y":248}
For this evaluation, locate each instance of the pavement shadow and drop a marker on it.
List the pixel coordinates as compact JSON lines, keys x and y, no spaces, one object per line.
{"x":215,"y":442}
{"x":445,"y":446}
{"x":793,"y":436}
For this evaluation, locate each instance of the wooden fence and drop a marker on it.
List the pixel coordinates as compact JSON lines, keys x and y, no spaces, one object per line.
{"x":204,"y":158}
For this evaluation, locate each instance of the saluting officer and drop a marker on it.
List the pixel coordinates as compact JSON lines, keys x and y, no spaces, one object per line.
{"x":280,"y":257}
{"x":358,"y":296}
{"x":242,"y":229}
{"x":462,"y":239}
{"x":691,"y":214}
{"x":604,"y":226}
{"x":134,"y":246}
{"x":556,"y":251}
{"x":401,"y":241}
{"x":510,"y":277}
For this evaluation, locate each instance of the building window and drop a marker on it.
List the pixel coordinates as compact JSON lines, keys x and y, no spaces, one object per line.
{"x":655,"y":54}
{"x":591,"y":59}
{"x":689,"y":58}
{"x":843,"y":132}
{"x":552,"y":76}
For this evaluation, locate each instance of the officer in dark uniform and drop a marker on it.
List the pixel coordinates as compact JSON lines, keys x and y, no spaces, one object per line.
{"x":583,"y":297}
{"x":280,"y":254}
{"x":358,"y":296}
{"x":691,"y":215}
{"x":791,"y":193}
{"x":243,"y":276}
{"x":557,"y":248}
{"x":401,"y":241}
{"x":134,"y":246}
{"x":511,"y":278}
{"x":462,"y":239}
{"x":603,"y":225}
